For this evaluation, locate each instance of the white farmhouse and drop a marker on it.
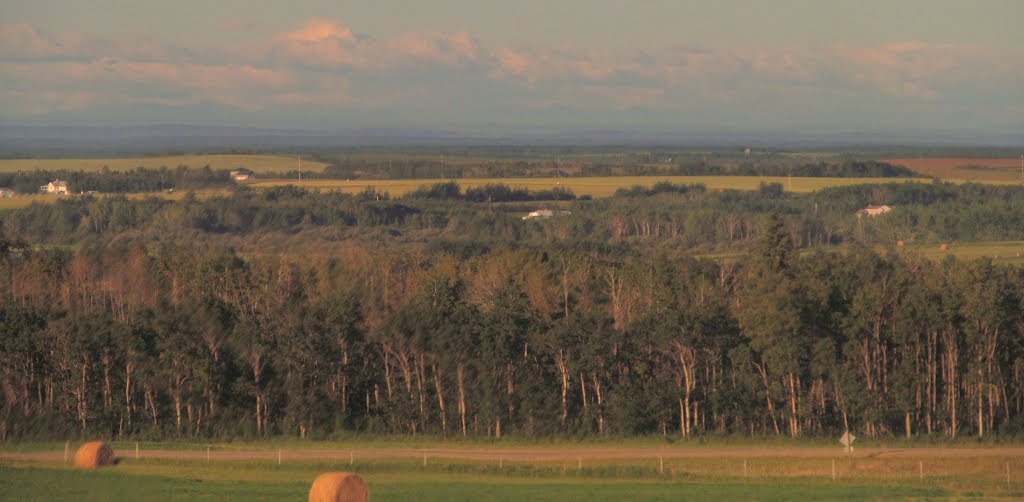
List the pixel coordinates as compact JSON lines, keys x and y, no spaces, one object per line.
{"x":55,"y":187}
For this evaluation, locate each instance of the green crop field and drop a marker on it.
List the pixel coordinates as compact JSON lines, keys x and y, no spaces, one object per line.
{"x":257,"y":163}
{"x":595,"y":186}
{"x":708,"y":474}
{"x":1003,"y":252}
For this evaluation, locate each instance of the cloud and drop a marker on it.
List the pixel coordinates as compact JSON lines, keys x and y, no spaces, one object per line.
{"x":323,"y":62}
{"x":446,"y":48}
{"x":320,"y":30}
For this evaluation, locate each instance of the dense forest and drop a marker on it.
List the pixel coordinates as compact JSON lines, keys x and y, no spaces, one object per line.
{"x":311,"y":314}
{"x":675,"y":217}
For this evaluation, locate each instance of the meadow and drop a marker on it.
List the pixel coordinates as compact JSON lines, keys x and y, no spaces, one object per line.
{"x":965,"y":169}
{"x":257,"y":163}
{"x":1001,"y":252}
{"x":697,"y":473}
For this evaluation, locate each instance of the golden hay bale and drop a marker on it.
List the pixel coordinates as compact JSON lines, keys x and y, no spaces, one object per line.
{"x":899,"y":243}
{"x":944,"y":247}
{"x":93,"y":455}
{"x":339,"y":487}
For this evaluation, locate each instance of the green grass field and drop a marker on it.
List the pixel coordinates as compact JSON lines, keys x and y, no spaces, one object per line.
{"x":258,"y":163}
{"x":1001,"y":252}
{"x":712,"y":478}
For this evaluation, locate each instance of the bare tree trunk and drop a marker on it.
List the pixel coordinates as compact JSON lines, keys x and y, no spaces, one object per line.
{"x":564,"y":372}
{"x":583,"y":388}
{"x":768,"y":396}
{"x":177,"y":411}
{"x":460,"y":376}
{"x":440,"y":400}
{"x":794,"y":424}
{"x":152,"y":404}
{"x":128,"y":369}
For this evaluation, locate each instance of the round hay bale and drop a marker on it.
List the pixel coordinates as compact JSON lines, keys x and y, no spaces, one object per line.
{"x":93,"y":455}
{"x":899,"y":243}
{"x":944,"y":247}
{"x":339,"y":487}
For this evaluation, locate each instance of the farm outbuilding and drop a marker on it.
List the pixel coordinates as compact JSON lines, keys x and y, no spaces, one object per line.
{"x":242,"y":174}
{"x":545,"y":213}
{"x":874,"y":210}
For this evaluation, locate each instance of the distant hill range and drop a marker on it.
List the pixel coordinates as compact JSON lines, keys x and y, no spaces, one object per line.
{"x":37,"y":140}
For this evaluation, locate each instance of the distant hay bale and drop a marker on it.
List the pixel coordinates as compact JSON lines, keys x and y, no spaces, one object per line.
{"x":339,"y":487}
{"x":944,"y":247}
{"x":899,"y":243}
{"x":93,"y":455}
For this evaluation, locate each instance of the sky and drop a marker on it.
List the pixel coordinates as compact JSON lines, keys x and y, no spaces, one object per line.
{"x":669,"y":65}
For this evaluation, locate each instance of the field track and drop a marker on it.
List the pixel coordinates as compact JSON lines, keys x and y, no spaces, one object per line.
{"x":526,"y":454}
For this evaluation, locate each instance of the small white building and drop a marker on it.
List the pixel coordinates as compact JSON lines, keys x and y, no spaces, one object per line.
{"x":243,"y":174}
{"x":55,"y":187}
{"x":6,"y":192}
{"x":545,"y":213}
{"x":874,"y":210}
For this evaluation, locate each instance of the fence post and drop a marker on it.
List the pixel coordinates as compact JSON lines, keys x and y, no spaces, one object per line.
{"x":661,"y":465}
{"x":207,"y":454}
{"x":351,"y":457}
{"x":278,"y":456}
{"x":579,"y":463}
{"x":920,"y":468}
{"x":424,"y":457}
{"x":67,"y":448}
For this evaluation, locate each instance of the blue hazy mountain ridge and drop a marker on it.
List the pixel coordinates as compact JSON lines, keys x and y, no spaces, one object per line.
{"x":34,"y":139}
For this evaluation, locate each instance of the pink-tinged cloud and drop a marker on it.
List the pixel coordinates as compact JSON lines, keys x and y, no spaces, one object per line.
{"x":446,"y":48}
{"x":324,"y":62}
{"x":318,"y":30}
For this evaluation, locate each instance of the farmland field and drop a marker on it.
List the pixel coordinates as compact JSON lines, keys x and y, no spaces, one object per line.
{"x":595,"y":186}
{"x":686,"y":473}
{"x":258,"y":163}
{"x":982,"y":170}
{"x":1001,"y":252}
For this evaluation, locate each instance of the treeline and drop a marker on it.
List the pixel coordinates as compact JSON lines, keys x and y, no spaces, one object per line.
{"x":685,"y":218}
{"x":662,"y":164}
{"x":106,"y":180}
{"x":173,"y":340}
{"x":491,"y":192}
{"x":142,"y":179}
{"x":659,"y":188}
{"x":845,"y":169}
